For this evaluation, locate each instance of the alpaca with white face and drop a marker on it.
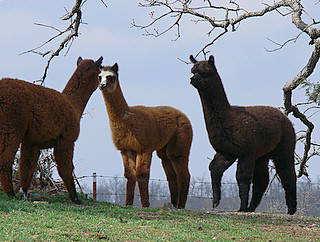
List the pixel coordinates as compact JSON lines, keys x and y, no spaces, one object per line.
{"x":137,"y":131}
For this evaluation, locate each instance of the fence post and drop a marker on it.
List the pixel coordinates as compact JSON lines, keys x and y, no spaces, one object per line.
{"x":94,"y":186}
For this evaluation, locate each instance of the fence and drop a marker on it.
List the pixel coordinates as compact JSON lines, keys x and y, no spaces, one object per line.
{"x":112,"y":189}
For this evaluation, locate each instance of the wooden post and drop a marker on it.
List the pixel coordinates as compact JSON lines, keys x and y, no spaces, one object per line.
{"x":94,"y":186}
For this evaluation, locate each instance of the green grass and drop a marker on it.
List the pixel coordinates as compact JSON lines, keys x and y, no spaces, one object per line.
{"x":60,"y":220}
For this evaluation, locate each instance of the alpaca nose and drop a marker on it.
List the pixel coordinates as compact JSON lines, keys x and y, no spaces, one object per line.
{"x":195,"y":77}
{"x":103,"y":85}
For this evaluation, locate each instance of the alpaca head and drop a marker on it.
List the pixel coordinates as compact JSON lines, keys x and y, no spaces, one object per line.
{"x":108,"y":78}
{"x":202,"y":72}
{"x":87,"y":73}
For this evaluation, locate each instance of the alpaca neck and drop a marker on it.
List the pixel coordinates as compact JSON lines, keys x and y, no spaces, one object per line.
{"x":116,"y":104}
{"x":214,"y":101}
{"x":78,"y":94}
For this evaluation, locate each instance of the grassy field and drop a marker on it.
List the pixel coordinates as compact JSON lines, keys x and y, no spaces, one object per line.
{"x":57,"y":219}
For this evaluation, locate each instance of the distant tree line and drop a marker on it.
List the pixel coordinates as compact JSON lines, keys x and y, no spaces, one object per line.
{"x":112,"y":189}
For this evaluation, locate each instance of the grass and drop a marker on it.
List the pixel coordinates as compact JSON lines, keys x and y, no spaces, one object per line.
{"x":57,"y":219}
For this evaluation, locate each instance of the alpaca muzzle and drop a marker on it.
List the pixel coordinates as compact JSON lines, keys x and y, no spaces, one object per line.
{"x":106,"y":84}
{"x":103,"y":85}
{"x":195,"y":79}
{"x":102,"y":82}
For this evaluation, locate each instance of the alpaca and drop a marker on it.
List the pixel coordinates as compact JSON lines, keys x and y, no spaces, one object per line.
{"x":137,"y":131}
{"x":39,"y":118}
{"x":251,"y":135}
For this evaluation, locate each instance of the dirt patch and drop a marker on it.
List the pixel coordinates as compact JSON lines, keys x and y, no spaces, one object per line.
{"x":295,"y":225}
{"x":302,"y":220}
{"x":156,"y":215}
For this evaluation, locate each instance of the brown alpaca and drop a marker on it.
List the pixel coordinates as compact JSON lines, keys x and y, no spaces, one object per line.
{"x":39,"y":118}
{"x":251,"y":135}
{"x":138,"y":130}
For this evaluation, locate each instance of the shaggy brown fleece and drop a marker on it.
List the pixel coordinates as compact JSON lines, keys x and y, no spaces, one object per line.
{"x":38,"y":118}
{"x":137,"y":131}
{"x":251,"y":135}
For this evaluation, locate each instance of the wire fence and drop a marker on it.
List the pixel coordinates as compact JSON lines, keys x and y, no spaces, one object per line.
{"x":113,"y":189}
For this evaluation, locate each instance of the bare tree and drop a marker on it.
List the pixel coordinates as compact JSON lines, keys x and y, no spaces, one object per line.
{"x":67,"y":35}
{"x":227,"y":15}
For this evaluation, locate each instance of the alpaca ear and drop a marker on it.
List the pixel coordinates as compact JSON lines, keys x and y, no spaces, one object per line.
{"x":115,"y":68}
{"x":99,"y":62}
{"x":211,"y":60}
{"x":79,"y":60}
{"x":192,"y":59}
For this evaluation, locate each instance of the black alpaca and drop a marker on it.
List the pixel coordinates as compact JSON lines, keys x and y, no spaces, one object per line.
{"x":251,"y":135}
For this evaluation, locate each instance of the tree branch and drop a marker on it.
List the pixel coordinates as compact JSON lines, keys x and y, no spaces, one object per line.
{"x":73,"y":29}
{"x":228,"y":17}
{"x":289,"y":108}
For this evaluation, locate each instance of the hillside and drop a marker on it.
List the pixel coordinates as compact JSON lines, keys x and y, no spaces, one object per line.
{"x":56,"y":218}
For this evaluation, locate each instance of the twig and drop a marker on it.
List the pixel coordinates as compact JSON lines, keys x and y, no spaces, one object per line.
{"x":230,"y":17}
{"x":72,"y":29}
{"x":103,"y":3}
{"x":289,"y":108}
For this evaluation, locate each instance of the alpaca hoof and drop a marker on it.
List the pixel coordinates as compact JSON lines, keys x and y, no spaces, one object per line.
{"x":77,"y":201}
{"x":12,"y":195}
{"x":145,"y":205}
{"x":215,"y":203}
{"x":291,"y":211}
{"x":251,"y":209}
{"x":242,"y":210}
{"x":24,"y":195}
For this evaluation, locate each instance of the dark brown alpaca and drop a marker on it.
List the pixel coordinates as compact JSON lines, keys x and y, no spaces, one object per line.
{"x":137,"y":131}
{"x":251,"y":135}
{"x":39,"y":118}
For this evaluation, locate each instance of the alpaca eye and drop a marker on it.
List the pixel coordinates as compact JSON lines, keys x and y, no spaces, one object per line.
{"x":111,"y":78}
{"x":100,"y":78}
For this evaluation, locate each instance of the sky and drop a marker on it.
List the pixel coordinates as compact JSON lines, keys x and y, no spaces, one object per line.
{"x":149,"y":69}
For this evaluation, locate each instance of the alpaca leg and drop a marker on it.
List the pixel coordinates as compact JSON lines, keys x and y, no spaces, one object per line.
{"x":28,"y":163}
{"x":171,"y":176}
{"x":129,"y":162}
{"x":172,"y":181}
{"x":8,"y":149}
{"x":217,"y":167}
{"x":178,"y":150}
{"x":244,"y":176}
{"x":63,"y":155}
{"x":180,"y":166}
{"x":285,"y":170}
{"x":143,"y":175}
{"x":260,"y":182}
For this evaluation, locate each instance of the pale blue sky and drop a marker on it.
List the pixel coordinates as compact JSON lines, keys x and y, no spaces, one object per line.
{"x":150,"y":73}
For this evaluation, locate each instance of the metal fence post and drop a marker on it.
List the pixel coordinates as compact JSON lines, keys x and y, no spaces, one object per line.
{"x":94,"y":186}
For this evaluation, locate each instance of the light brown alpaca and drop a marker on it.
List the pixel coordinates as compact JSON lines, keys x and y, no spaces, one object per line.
{"x":39,"y":118}
{"x":137,"y":131}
